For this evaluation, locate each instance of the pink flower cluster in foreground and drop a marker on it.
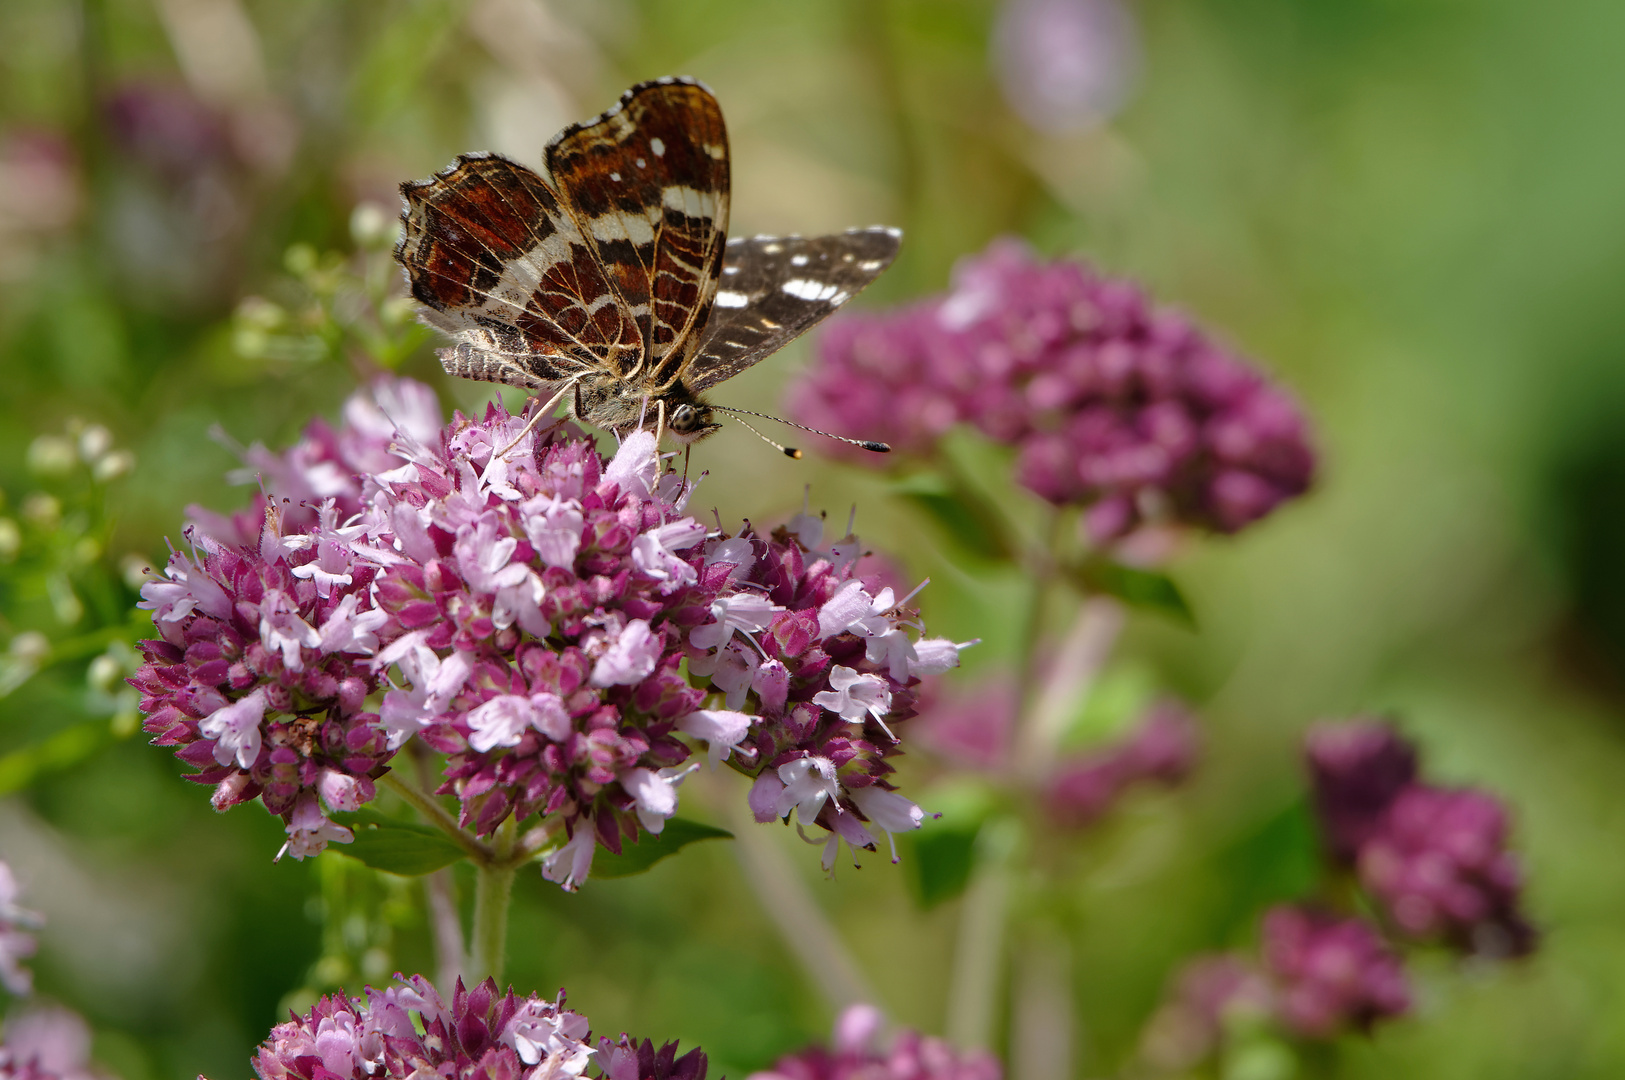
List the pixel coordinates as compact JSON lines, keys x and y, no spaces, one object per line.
{"x":407,"y":1030}
{"x":1434,"y":859}
{"x":856,"y":1055}
{"x":1112,"y":403}
{"x":1321,"y":975}
{"x":530,"y":615}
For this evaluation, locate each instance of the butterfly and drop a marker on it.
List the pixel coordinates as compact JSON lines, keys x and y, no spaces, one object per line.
{"x":610,"y":283}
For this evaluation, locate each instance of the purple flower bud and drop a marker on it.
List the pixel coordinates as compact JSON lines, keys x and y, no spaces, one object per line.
{"x":856,"y":1055}
{"x":1439,"y":868}
{"x":1357,"y":768}
{"x":1065,"y":65}
{"x":1330,"y":974}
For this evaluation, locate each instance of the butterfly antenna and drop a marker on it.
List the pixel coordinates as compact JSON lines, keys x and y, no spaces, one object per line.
{"x":866,"y":444}
{"x":787,"y":451}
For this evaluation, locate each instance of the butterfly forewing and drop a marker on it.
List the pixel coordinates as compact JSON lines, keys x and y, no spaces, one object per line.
{"x":773,"y":289}
{"x":503,"y":268}
{"x":648,"y":182}
{"x":612,"y":277}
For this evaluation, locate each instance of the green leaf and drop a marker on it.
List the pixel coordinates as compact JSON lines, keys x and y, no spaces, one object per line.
{"x":396,"y":847}
{"x":650,"y":849}
{"x":1139,"y":588}
{"x":939,"y":863}
{"x":1276,"y":858}
{"x":964,"y":520}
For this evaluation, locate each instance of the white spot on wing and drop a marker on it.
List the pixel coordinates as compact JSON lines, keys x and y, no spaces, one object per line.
{"x":773,"y":249}
{"x":807,"y":289}
{"x":727,"y":298}
{"x":615,"y":176}
{"x":642,"y":163}
{"x":798,"y":260}
{"x":870,"y":264}
{"x":657,"y":147}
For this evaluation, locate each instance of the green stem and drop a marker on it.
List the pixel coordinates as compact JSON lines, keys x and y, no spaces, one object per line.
{"x":493,"y":889}
{"x":437,"y":816}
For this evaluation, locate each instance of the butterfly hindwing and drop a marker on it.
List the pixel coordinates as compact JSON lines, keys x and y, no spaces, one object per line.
{"x":648,"y":184}
{"x":504,"y":269}
{"x":773,"y":289}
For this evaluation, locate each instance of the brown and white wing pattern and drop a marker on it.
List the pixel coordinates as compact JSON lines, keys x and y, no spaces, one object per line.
{"x":504,"y":269}
{"x":648,"y":183}
{"x":773,"y":289}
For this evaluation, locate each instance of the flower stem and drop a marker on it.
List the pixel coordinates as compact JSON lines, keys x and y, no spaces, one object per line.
{"x":802,"y":925}
{"x":493,"y":889}
{"x":436,"y":815}
{"x":973,"y":989}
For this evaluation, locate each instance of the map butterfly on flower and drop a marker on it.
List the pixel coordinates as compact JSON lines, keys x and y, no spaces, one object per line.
{"x":609,"y":283}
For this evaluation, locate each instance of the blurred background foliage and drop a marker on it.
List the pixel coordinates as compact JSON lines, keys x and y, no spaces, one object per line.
{"x":1408,"y":210}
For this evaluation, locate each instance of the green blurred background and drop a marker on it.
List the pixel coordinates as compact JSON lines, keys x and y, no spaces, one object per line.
{"x":1409,"y":210}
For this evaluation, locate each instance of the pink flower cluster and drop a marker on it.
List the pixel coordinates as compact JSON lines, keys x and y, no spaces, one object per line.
{"x":975,"y":730}
{"x":16,"y":940}
{"x":1434,"y":859}
{"x":1112,"y":403}
{"x":407,"y":1030}
{"x":1320,"y":976}
{"x":47,"y":1043}
{"x":855,"y":1055}
{"x":553,"y":622}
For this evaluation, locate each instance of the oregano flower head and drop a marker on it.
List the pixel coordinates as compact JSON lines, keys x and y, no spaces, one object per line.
{"x":1113,"y":404}
{"x":554,"y":622}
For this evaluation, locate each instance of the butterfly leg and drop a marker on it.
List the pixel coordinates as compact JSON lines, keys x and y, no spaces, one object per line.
{"x":539,"y":415}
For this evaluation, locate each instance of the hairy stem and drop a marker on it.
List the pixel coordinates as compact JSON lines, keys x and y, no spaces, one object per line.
{"x":493,"y":889}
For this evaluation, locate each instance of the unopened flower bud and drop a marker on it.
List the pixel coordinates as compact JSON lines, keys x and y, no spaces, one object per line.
{"x":42,"y":511}
{"x":371,"y":226}
{"x":94,"y":441}
{"x":52,"y":455}
{"x":11,"y":539}
{"x":113,"y":465}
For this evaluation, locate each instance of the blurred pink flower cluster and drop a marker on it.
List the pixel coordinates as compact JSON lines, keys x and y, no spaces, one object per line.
{"x":975,"y":730}
{"x":528,"y":614}
{"x":856,"y":1054}
{"x":1321,"y":975}
{"x":1434,"y":859}
{"x":1113,"y":404}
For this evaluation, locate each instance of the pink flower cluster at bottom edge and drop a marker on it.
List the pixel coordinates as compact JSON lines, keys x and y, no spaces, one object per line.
{"x":857,"y":1054}
{"x":408,"y":1030}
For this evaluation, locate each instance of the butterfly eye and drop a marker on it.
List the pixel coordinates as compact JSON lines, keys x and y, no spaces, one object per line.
{"x":684,"y":419}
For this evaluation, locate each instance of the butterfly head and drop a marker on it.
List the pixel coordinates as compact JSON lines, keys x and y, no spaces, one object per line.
{"x":690,"y":421}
